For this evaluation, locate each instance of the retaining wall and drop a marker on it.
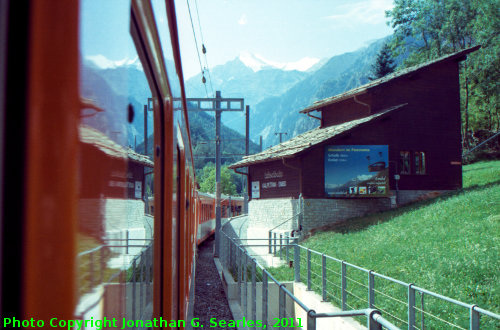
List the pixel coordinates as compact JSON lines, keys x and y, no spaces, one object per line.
{"x":268,"y":213}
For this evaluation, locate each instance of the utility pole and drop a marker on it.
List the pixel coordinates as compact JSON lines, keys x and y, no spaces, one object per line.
{"x":281,"y":134}
{"x":217,"y":107}
{"x":218,"y":224}
{"x":247,"y":151}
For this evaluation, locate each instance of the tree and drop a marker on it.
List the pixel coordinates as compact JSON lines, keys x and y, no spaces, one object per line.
{"x":384,"y":63}
{"x":428,"y":29}
{"x":207,"y":180}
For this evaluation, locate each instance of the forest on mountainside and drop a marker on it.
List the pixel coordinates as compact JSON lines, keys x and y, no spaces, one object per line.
{"x":429,"y":29}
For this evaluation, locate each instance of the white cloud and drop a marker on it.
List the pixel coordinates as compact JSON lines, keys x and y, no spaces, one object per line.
{"x":365,"y":12}
{"x":243,"y":20}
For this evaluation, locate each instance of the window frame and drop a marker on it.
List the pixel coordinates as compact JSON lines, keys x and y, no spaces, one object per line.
{"x":420,"y":162}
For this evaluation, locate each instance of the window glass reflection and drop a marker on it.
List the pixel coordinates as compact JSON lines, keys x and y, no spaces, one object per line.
{"x":115,"y":229}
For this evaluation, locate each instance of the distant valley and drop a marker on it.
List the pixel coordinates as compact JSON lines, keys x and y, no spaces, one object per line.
{"x":276,"y":95}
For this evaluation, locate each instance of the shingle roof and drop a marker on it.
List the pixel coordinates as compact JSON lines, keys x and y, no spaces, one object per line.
{"x":359,"y":90}
{"x":96,"y":138}
{"x":307,"y":140}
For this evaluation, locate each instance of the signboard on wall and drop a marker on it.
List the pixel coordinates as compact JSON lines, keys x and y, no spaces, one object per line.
{"x":357,"y":170}
{"x":255,"y":189}
{"x":138,"y":189}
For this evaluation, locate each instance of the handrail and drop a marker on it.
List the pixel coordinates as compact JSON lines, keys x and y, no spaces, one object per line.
{"x":475,"y":311}
{"x":374,"y":317}
{"x":293,"y":216}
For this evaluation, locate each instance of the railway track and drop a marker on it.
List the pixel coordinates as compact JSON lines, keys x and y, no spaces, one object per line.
{"x":210,"y":299}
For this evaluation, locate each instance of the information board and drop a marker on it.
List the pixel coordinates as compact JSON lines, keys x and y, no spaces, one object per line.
{"x":255,"y":189}
{"x":357,"y":170}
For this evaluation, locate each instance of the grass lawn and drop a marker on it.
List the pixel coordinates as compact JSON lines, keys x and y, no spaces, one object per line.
{"x":449,"y":245}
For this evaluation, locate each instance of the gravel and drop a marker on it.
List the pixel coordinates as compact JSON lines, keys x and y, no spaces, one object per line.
{"x":210,"y":298}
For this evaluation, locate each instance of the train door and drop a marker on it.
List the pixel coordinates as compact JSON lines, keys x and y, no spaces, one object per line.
{"x":180,"y":245}
{"x":177,"y":233}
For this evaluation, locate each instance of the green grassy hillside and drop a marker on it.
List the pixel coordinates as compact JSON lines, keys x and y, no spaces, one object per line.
{"x":449,"y":245}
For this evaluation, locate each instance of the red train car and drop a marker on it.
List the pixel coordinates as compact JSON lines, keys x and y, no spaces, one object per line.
{"x":93,"y":226}
{"x":231,"y":206}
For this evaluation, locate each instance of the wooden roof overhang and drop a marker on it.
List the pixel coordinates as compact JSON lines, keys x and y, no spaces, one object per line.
{"x":97,"y":139}
{"x":312,"y":138}
{"x":319,"y":105}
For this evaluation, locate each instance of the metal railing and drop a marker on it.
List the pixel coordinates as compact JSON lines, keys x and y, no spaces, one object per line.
{"x":274,"y":234}
{"x":352,"y":287}
{"x":256,"y":287}
{"x":134,"y":274}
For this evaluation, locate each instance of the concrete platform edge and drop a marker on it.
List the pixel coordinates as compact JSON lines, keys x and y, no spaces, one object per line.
{"x":233,"y":304}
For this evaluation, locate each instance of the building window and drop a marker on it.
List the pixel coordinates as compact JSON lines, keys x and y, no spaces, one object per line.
{"x":420,"y":167}
{"x":404,"y":162}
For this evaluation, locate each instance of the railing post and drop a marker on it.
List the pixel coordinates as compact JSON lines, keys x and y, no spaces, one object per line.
{"x":245,"y":286}
{"x":287,"y":242}
{"x":275,"y":243}
{"x":141,"y":283}
{"x":308,"y":269}
{"x":371,"y":289}
{"x":281,"y":246}
{"x":311,"y":320}
{"x":282,"y":296}
{"x":323,"y":276}
{"x":372,"y":324}
{"x":264,"y":297}
{"x":474,"y":318}
{"x":422,"y":320}
{"x":343,"y":274}
{"x":240,"y":266}
{"x":254,"y":291}
{"x":296,"y":260}
{"x":411,"y":307}
{"x":270,"y":242}
{"x":134,"y":265}
{"x":371,"y":293}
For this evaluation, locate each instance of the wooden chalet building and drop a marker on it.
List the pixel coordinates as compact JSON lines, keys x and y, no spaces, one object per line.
{"x":389,"y":142}
{"x":119,"y":202}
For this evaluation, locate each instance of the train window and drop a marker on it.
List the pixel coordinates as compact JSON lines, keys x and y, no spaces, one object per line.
{"x":160,"y":14}
{"x":116,"y":201}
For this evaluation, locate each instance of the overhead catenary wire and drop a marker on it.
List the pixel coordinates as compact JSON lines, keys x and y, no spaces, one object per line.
{"x":196,"y":45}
{"x":204,"y":50}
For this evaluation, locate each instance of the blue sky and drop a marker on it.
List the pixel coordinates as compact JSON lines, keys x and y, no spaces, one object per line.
{"x":279,"y":30}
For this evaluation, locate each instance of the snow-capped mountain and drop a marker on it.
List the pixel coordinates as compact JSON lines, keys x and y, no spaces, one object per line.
{"x":256,"y":62}
{"x":103,"y":62}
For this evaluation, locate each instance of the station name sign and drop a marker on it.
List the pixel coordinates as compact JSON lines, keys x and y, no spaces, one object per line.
{"x":357,"y":170}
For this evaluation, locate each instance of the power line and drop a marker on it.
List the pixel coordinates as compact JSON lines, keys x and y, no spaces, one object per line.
{"x":204,"y":50}
{"x":196,"y":45}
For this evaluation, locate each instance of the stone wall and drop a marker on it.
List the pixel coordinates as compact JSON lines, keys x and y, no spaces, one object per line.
{"x":269,"y":213}
{"x":113,"y":218}
{"x":265,"y":214}
{"x":322,"y":212}
{"x":409,"y":196}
